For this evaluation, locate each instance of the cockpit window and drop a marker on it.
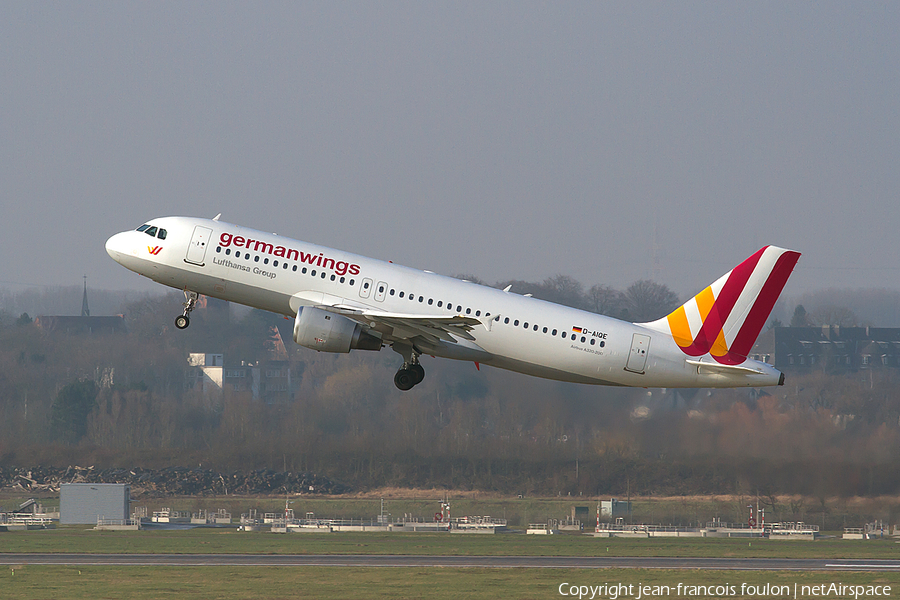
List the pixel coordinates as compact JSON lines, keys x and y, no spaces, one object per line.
{"x":143,"y":227}
{"x":162,"y":234}
{"x":151,"y":232}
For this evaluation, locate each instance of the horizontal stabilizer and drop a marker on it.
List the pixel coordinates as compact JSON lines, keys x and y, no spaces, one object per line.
{"x":711,"y":366}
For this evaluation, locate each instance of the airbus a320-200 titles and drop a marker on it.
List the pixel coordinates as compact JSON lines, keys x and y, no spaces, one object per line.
{"x":342,"y":302}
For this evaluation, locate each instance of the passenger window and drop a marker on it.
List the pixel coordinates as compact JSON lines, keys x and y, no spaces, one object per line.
{"x":303,"y":270}
{"x":506,"y":321}
{"x":365,"y":285}
{"x":143,"y":227}
{"x":228,"y":252}
{"x":247,"y":256}
{"x":593,"y":341}
{"x":265,"y":261}
{"x":477,"y":313}
{"x":352,"y":281}
{"x":602,"y":343}
{"x":458,"y":308}
{"x":421,"y":298}
{"x":324,"y":274}
{"x":295,"y":268}
{"x":536,"y":327}
{"x":275,"y":263}
{"x":285,"y":266}
{"x":516,"y":322}
{"x":151,"y":232}
{"x":392,"y":291}
{"x":554,"y":332}
{"x":573,"y":336}
{"x":218,"y":248}
{"x":256,"y":259}
{"x":468,"y":311}
{"x":333,"y":277}
{"x":430,"y":301}
{"x":162,"y":234}
{"x":545,"y":330}
{"x":582,"y":339}
{"x":380,"y":289}
{"x":526,"y":325}
{"x":440,"y":304}
{"x":401,"y":294}
{"x":343,"y":279}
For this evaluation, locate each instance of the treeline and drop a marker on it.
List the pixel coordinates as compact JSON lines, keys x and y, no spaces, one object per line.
{"x":642,"y":301}
{"x":118,"y":400}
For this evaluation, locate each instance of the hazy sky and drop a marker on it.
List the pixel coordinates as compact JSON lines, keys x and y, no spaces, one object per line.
{"x":507,"y":140}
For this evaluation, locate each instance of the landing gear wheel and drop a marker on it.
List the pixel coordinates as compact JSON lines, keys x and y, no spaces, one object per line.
{"x":418,"y":373}
{"x":405,"y":379}
{"x":190,"y":301}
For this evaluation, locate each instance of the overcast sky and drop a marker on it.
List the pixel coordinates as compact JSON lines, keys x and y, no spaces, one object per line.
{"x":507,"y":140}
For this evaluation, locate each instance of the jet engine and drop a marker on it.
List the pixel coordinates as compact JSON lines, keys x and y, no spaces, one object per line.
{"x":328,"y":332}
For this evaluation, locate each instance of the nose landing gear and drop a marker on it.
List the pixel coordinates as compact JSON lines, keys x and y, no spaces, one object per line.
{"x":190,"y":301}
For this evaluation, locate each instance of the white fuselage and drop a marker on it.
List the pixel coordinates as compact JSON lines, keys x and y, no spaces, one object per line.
{"x":535,"y":337}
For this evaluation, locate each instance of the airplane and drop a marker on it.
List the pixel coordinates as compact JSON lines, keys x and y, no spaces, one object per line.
{"x":341,"y":302}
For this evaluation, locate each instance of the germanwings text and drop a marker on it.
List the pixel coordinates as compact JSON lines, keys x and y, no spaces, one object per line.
{"x":319,"y":260}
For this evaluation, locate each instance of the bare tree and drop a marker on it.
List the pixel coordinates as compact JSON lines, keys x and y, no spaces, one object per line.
{"x":833,"y":315}
{"x":564,"y":289}
{"x":647,"y":300}
{"x":605,"y":300}
{"x":800,"y":318}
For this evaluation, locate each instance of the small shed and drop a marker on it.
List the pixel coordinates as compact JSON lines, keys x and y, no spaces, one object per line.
{"x":84,"y":503}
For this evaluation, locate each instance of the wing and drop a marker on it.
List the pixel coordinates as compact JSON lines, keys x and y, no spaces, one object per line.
{"x":397,"y":326}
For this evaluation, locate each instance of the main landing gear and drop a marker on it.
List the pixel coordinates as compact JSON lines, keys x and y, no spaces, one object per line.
{"x":190,"y":301}
{"x":411,"y":373}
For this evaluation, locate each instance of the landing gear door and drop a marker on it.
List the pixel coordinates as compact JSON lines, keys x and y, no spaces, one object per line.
{"x":196,"y":251}
{"x":637,"y":357}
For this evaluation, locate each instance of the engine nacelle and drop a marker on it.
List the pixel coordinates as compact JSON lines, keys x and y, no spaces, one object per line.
{"x":327,"y":332}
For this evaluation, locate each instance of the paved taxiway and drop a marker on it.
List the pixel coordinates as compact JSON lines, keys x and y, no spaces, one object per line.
{"x":371,"y":560}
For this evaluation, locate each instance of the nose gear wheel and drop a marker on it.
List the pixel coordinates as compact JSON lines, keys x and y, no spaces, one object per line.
{"x":190,"y":302}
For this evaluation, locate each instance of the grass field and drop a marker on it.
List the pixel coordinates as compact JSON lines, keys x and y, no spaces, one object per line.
{"x":274,"y":583}
{"x":828,"y":513}
{"x":44,"y":582}
{"x":215,"y":540}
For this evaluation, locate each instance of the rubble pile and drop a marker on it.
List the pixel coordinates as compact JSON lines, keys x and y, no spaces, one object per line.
{"x":172,"y":481}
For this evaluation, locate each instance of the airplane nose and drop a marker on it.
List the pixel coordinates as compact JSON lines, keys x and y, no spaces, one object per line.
{"x":115,"y":246}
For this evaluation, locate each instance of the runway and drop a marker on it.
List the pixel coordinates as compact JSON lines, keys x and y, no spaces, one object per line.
{"x":493,"y":562}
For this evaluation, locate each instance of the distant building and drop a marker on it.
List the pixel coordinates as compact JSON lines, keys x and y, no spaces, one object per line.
{"x":831,"y":349}
{"x":614,"y":508}
{"x":85,"y":324}
{"x":204,"y":372}
{"x":84,"y":503}
{"x":267,"y":380}
{"x":80,"y":325}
